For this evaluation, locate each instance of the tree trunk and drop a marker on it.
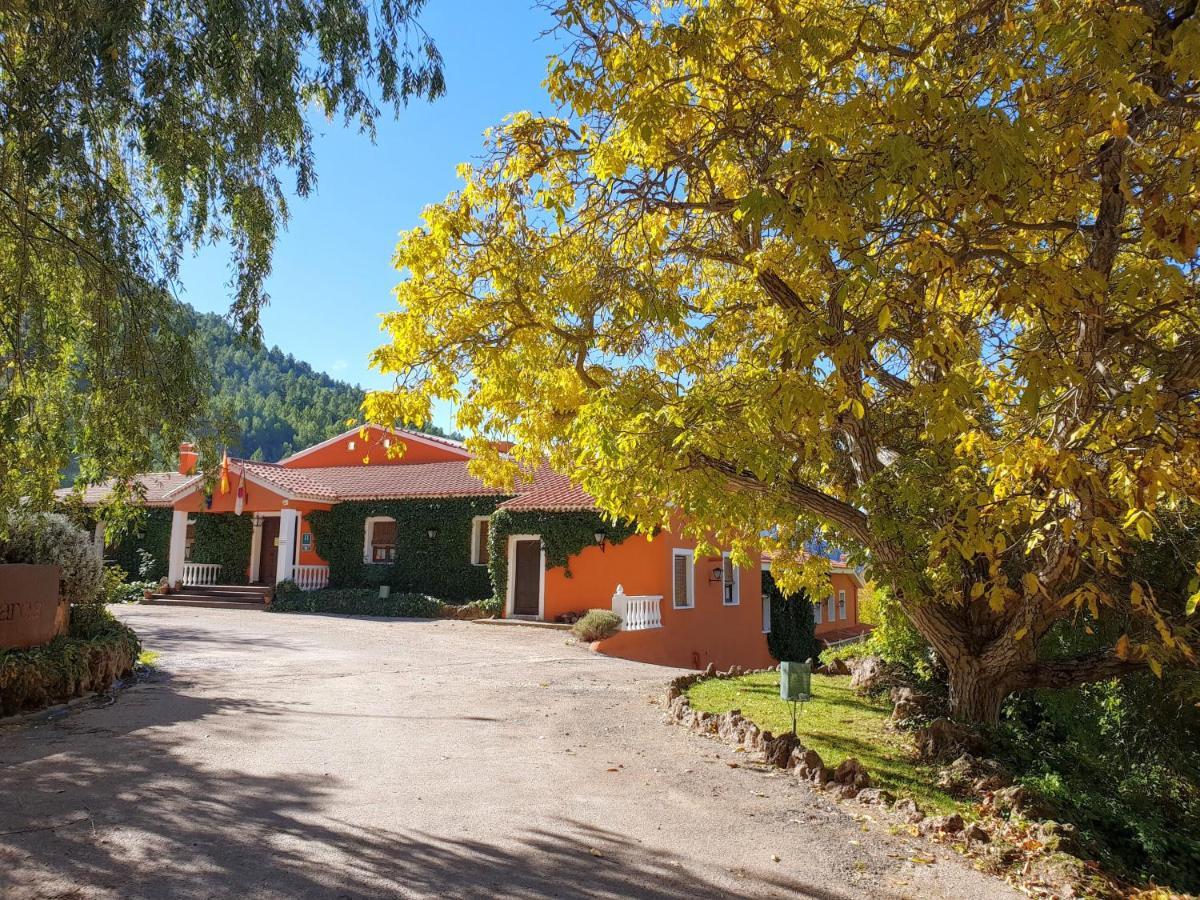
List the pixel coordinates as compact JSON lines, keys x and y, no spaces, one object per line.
{"x":976,"y":693}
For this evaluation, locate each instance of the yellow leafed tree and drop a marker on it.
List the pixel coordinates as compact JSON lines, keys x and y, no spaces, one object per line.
{"x":921,"y":276}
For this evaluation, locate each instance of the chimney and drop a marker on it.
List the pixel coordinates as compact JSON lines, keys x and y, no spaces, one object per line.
{"x":188,"y":458}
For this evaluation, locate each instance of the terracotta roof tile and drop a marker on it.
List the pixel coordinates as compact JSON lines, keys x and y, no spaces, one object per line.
{"x":550,"y":492}
{"x":379,"y":482}
{"x":156,"y":484}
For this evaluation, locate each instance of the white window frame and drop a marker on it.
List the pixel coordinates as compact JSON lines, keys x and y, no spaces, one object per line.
{"x":690,"y":555}
{"x":818,"y":612}
{"x":737,"y":582}
{"x":368,"y":539}
{"x":841,"y":605}
{"x":831,"y":608}
{"x":766,"y":613}
{"x":476,"y":544}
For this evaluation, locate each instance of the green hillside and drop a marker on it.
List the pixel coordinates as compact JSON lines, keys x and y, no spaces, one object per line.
{"x":276,"y":403}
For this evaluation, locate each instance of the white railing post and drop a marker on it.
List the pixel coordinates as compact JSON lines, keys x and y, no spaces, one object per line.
{"x":200,"y":574}
{"x":638,"y":612}
{"x":311,"y":578}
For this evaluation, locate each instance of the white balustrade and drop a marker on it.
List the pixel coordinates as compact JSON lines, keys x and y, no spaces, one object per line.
{"x":310,"y":578}
{"x":201,"y":573}
{"x":638,"y":612}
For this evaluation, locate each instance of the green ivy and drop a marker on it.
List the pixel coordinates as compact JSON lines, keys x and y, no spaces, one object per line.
{"x":440,"y":566}
{"x":224,"y":538}
{"x":152,"y":533}
{"x":563,"y":535}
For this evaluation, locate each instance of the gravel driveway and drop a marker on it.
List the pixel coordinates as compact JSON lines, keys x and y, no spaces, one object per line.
{"x":295,"y":756}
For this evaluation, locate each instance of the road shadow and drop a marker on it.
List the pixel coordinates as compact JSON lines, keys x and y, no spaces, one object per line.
{"x":106,"y":804}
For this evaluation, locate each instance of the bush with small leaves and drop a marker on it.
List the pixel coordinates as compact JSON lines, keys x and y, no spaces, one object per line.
{"x":596,"y":625}
{"x":50,"y":539}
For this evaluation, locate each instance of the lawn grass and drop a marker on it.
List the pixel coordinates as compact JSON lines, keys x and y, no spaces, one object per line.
{"x":837,"y":723}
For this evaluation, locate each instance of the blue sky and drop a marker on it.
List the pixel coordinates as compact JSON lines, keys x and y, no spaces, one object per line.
{"x":332,"y":273}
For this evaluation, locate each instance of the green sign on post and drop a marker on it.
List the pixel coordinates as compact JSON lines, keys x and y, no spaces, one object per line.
{"x":795,"y":685}
{"x":795,"y":681}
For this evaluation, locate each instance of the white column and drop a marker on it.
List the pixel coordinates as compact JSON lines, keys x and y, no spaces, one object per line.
{"x":289,"y":523}
{"x":178,"y":546}
{"x":255,"y":550}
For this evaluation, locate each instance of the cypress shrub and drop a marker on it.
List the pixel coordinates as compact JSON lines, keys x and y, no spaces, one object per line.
{"x":793,"y":635}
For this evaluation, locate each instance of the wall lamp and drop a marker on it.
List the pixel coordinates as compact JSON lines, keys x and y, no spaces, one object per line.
{"x":600,"y":540}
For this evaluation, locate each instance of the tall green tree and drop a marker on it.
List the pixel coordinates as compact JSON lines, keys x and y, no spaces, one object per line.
{"x":130,"y":132}
{"x":921,"y":274}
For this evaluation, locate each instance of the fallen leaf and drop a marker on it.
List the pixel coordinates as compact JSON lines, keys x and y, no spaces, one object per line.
{"x":596,"y":853}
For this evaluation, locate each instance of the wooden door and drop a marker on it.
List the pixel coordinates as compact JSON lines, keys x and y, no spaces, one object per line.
{"x":527,"y":577}
{"x":268,"y":549}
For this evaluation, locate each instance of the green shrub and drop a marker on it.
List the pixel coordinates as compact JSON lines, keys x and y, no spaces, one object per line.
{"x":50,"y":539}
{"x":793,"y":626}
{"x":1120,"y":760}
{"x":357,"y":602}
{"x":95,"y":652}
{"x":114,"y":588}
{"x":596,"y":625}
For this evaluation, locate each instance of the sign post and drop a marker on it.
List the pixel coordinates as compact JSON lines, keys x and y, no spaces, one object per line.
{"x":795,"y":685}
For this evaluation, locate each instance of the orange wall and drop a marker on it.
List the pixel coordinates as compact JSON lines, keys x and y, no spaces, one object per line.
{"x":339,"y":453}
{"x":841,"y":582}
{"x":689,"y":638}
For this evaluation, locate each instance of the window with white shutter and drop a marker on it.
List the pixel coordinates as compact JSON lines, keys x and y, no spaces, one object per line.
{"x":730,"y":581}
{"x":683,"y":594}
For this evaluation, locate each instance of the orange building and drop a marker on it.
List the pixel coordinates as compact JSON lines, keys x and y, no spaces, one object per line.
{"x":425,"y":523}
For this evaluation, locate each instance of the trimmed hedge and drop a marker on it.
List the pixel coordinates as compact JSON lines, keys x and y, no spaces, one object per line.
{"x":95,"y":652}
{"x":563,"y":535}
{"x":224,"y":538}
{"x":440,"y":566}
{"x":358,"y":602}
{"x":151,"y":533}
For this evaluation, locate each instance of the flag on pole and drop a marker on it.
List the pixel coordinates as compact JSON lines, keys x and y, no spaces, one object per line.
{"x":241,"y":492}
{"x":225,"y":472}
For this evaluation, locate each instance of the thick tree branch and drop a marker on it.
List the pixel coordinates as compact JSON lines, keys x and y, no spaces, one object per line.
{"x":1067,"y":673}
{"x":851,"y":518}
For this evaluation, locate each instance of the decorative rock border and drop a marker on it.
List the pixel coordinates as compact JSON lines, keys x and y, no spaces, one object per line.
{"x":850,"y":780}
{"x":1048,"y":868}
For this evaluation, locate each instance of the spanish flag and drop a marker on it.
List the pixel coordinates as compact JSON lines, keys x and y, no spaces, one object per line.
{"x":225,"y":472}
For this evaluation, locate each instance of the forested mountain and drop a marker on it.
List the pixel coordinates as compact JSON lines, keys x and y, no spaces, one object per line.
{"x":276,"y":402}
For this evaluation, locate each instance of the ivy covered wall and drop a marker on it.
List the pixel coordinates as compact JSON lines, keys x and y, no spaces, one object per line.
{"x":439,"y":566}
{"x":224,"y":538}
{"x":151,"y":533}
{"x":563,"y":535}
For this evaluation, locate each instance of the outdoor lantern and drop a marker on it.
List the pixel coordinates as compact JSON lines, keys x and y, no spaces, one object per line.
{"x":599,"y":536}
{"x":717,"y":574}
{"x":432,"y":532}
{"x":795,"y":681}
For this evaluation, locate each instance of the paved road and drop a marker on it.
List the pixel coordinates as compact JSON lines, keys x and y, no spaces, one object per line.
{"x":305,"y":756}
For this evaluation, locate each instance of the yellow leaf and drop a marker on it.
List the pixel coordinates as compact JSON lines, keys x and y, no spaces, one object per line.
{"x":1020,"y":633}
{"x":1155,"y":667}
{"x":1030,"y":582}
{"x":1122,"y":649}
{"x":885,"y":318}
{"x":1119,"y":127}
